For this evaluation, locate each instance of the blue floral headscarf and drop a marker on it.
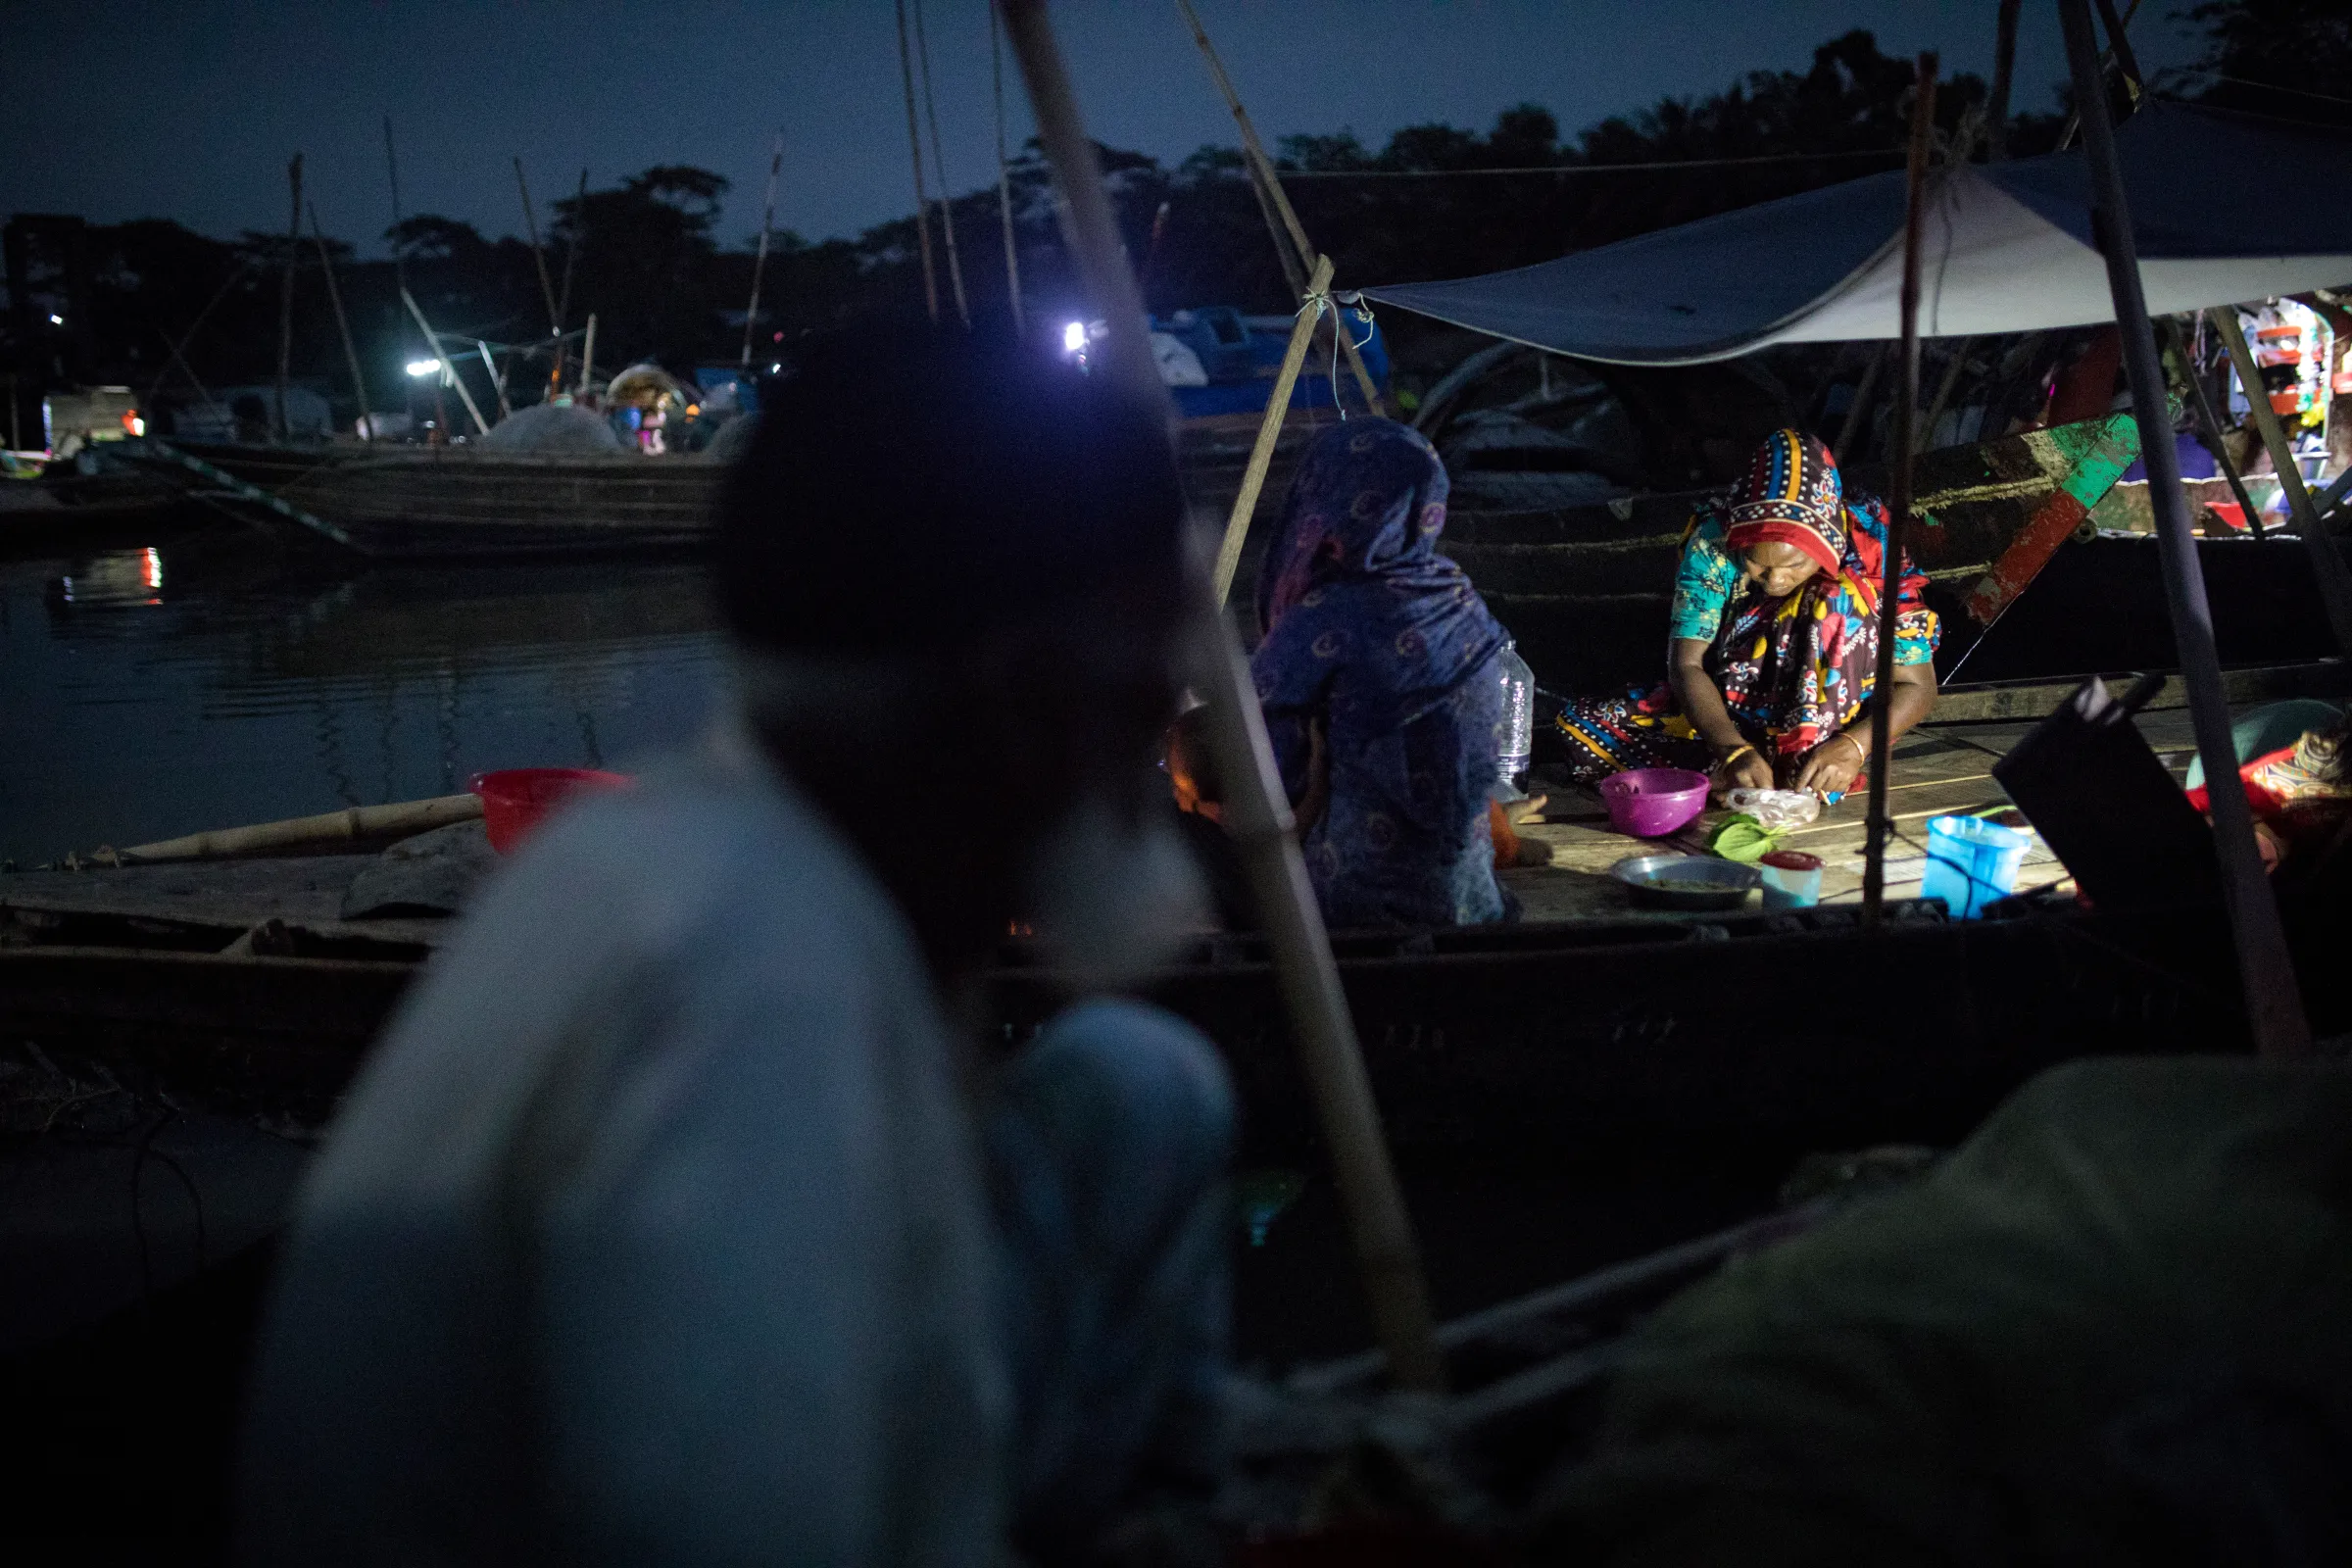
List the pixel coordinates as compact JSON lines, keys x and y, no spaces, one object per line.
{"x":1385,"y":640}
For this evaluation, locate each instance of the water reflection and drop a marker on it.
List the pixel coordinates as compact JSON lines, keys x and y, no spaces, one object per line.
{"x":152,"y":692}
{"x":118,"y":577}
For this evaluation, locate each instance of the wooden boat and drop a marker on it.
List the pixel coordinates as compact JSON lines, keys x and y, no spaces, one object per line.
{"x":1589,"y":1021}
{"x":454,"y":502}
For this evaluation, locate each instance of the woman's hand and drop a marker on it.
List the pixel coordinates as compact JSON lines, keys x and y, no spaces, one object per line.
{"x":1830,"y":767}
{"x":1743,"y":770}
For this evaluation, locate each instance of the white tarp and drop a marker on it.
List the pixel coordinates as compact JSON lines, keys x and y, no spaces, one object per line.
{"x":2225,"y":208}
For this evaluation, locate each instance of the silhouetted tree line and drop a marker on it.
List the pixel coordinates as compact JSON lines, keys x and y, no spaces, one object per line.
{"x":647,"y":257}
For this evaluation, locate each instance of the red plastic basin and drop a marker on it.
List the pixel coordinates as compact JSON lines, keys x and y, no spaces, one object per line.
{"x":1650,"y":803}
{"x":516,"y":800}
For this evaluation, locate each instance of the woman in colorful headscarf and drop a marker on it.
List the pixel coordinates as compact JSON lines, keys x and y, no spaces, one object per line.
{"x":1380,"y":686}
{"x":1772,"y":659}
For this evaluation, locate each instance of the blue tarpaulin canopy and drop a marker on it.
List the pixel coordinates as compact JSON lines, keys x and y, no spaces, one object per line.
{"x":2227,"y":208}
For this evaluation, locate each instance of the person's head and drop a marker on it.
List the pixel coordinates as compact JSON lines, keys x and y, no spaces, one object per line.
{"x":1369,"y":497}
{"x":954,"y":572}
{"x":1788,"y":516}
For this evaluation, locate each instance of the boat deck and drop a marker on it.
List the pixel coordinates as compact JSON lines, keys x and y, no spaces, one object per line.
{"x":1939,"y":769}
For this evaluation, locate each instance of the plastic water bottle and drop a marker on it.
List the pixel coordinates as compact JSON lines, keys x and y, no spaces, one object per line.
{"x":1515,"y":729}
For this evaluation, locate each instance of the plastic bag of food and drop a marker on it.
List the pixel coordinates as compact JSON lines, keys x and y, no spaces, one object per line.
{"x":1777,"y":811}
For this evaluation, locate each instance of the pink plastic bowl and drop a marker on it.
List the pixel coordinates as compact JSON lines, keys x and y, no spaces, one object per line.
{"x":1650,"y":803}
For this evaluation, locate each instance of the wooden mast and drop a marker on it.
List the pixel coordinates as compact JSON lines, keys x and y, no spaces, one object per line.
{"x":285,"y":297}
{"x":351,"y":352}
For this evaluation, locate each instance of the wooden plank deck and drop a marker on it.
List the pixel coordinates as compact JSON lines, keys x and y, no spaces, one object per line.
{"x":1939,"y":769}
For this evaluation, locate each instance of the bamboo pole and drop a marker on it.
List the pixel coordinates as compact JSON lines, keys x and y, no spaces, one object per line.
{"x":1254,"y":150}
{"x":328,"y":827}
{"x":914,"y":145}
{"x":939,"y":167}
{"x":1257,"y":811}
{"x":588,"y":357}
{"x":2209,"y":425}
{"x":1291,"y":273}
{"x":1898,"y":509}
{"x":767,"y":226}
{"x":2274,"y":1005}
{"x":286,"y":298}
{"x":2326,"y":561}
{"x":1269,"y":431}
{"x":1864,"y":391}
{"x":351,"y":352}
{"x":449,"y":371}
{"x":572,"y":254}
{"x":1012,"y":255}
{"x":530,"y":222}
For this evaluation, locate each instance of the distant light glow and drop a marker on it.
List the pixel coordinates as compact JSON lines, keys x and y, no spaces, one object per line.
{"x":1073,"y":338}
{"x":55,"y":320}
{"x":152,"y":568}
{"x":423,"y":367}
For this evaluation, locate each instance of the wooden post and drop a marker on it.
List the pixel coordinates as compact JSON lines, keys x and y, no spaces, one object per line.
{"x":530,"y":221}
{"x":351,"y":352}
{"x":1291,"y":273}
{"x":939,"y":167}
{"x":1012,"y":255}
{"x":1843,"y":449}
{"x":2004,"y":69}
{"x":767,"y":226}
{"x":449,"y":371}
{"x":286,"y":298}
{"x":588,"y":356}
{"x":2326,"y":561}
{"x":1257,"y":811}
{"x":1269,"y":431}
{"x":2274,"y":1005}
{"x":2209,"y":425}
{"x":1898,"y":500}
{"x":914,"y":145}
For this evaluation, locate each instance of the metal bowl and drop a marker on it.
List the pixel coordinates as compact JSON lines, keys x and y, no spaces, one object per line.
{"x":1686,"y":881}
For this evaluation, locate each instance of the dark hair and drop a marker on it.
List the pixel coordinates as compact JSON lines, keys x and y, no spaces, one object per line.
{"x":909,"y":488}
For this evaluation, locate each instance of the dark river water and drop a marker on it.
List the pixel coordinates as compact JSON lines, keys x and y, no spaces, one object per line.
{"x":148,"y":691}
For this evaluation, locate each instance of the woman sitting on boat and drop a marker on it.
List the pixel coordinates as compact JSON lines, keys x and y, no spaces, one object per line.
{"x":1773,"y":654}
{"x":1381,"y":691}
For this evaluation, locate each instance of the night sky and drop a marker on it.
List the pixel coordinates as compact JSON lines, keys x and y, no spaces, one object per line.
{"x":115,"y":110}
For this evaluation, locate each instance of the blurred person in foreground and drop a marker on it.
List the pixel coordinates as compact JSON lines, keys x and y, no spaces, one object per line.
{"x":679,"y":1217}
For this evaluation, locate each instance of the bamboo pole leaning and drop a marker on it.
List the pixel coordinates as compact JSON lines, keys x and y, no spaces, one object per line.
{"x":2326,"y":561}
{"x":1255,"y":151}
{"x":530,"y":222}
{"x":2209,"y":427}
{"x":572,"y":254}
{"x":1898,"y":509}
{"x":449,"y":371}
{"x":2275,"y":1014}
{"x":401,"y":817}
{"x":767,"y":226}
{"x":1256,"y":810}
{"x":1012,"y":255}
{"x":351,"y":352}
{"x":1269,"y":431}
{"x":914,"y":146}
{"x":939,"y":168}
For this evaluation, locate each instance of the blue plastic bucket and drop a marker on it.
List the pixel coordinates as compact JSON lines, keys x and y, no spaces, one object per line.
{"x":1970,"y":863}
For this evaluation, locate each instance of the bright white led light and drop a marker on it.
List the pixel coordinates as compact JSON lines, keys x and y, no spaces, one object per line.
{"x":1073,"y":337}
{"x":424,"y":367}
{"x":56,"y":319}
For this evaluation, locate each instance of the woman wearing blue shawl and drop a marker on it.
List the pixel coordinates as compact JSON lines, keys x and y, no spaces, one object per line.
{"x":1380,"y":687}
